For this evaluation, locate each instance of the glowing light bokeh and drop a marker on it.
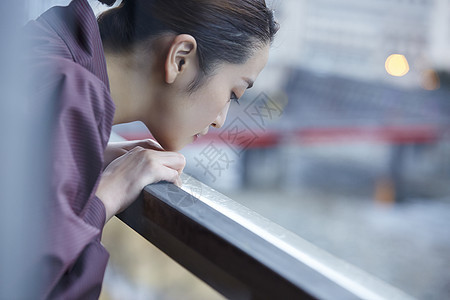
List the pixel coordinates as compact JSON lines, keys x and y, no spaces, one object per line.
{"x":397,"y":65}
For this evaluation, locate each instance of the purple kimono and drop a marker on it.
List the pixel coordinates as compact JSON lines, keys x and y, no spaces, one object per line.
{"x":69,"y":69}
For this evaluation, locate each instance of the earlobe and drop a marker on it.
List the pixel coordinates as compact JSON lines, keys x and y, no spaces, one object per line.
{"x":182,"y":52}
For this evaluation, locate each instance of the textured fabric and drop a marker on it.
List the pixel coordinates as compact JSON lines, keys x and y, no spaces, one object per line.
{"x":68,"y":68}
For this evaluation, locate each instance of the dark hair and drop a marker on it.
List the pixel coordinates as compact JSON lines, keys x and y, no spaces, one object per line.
{"x":225,"y":30}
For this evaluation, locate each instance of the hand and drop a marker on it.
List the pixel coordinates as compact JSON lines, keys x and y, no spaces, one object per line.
{"x":116,"y":149}
{"x":123,"y":180}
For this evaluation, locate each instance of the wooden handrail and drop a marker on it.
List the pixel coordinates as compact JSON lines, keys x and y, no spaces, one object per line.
{"x":241,"y":254}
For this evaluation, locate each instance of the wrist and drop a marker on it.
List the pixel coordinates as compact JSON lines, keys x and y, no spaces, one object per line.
{"x":106,"y":196}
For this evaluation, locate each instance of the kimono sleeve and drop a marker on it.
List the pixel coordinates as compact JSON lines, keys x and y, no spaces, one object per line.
{"x":73,"y":258}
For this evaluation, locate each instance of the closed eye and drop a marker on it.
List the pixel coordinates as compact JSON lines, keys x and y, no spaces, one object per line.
{"x":234,"y":98}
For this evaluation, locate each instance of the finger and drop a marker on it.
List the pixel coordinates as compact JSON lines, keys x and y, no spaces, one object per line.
{"x":176,"y":162}
{"x":151,"y":144}
{"x":179,"y":182}
{"x":146,"y":144}
{"x":166,"y":153}
{"x":136,"y":149}
{"x":172,"y":160}
{"x":167,"y":174}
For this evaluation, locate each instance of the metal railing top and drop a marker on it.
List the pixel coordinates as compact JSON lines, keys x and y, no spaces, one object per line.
{"x":240,"y":253}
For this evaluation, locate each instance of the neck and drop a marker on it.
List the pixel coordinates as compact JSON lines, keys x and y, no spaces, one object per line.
{"x":130,"y":87}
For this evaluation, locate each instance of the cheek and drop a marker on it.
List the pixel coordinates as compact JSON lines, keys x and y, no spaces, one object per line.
{"x":209,"y":106}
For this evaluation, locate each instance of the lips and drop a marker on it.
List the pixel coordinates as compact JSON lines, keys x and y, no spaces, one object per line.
{"x":198,"y":135}
{"x":204,"y":132}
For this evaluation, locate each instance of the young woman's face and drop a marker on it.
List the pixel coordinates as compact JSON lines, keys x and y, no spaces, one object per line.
{"x":183,"y":117}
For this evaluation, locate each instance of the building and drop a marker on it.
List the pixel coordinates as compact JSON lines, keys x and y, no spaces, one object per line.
{"x":353,"y":38}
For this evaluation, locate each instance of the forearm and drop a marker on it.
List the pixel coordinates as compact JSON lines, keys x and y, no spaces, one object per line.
{"x":66,"y":246}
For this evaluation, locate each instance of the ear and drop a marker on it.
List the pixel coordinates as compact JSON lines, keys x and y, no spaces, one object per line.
{"x":181,"y":55}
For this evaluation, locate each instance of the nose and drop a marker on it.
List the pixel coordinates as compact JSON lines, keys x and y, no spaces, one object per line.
{"x":220,"y":120}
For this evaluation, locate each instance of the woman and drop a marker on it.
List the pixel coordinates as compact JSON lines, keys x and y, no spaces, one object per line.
{"x":175,"y":65}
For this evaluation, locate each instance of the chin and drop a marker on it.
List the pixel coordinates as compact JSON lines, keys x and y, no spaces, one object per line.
{"x":168,"y":144}
{"x":174,"y":146}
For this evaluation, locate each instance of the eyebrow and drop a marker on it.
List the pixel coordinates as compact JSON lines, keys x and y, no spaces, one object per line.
{"x":249,"y":82}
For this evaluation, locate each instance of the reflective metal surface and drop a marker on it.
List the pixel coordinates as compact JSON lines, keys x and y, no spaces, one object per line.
{"x":350,"y":278}
{"x":240,"y":253}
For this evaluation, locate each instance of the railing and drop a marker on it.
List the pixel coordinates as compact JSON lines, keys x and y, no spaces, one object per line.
{"x":241,"y":254}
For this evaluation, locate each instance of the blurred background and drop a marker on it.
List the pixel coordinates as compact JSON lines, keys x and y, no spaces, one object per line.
{"x":344,"y":140}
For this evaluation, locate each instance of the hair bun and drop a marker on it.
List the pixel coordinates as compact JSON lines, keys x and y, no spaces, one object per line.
{"x":108,"y":2}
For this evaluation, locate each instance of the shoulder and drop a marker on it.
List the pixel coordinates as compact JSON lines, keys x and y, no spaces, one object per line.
{"x":68,"y":88}
{"x":42,"y":39}
{"x":56,"y":72}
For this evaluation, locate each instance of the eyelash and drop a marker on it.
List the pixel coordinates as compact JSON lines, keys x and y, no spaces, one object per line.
{"x":235,"y":98}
